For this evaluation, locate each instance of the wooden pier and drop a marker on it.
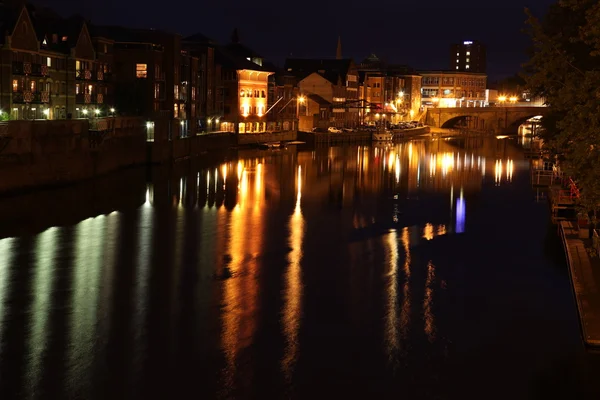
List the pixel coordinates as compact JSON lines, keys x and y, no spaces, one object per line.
{"x":585,"y":278}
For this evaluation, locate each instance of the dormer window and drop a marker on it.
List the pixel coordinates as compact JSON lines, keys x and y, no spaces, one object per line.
{"x":64,"y":38}
{"x":44,"y":42}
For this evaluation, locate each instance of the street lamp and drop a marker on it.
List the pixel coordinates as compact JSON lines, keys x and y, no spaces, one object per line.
{"x":46,"y":112}
{"x":85,"y":111}
{"x":97,"y":112}
{"x":513,"y":99}
{"x":501,"y":99}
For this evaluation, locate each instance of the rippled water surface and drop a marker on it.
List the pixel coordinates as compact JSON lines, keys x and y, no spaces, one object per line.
{"x":423,"y":270}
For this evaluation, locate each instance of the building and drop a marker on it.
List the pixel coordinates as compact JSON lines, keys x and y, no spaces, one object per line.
{"x":209,"y":87}
{"x":283,"y":106}
{"x":52,"y":67}
{"x":155,"y":77}
{"x":453,"y":89}
{"x":470,"y":56}
{"x":388,"y":91}
{"x":330,"y":87}
{"x":245,"y":88}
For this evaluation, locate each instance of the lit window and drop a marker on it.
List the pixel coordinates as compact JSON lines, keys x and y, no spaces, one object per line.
{"x":48,"y":61}
{"x":457,"y":54}
{"x":141,"y":70}
{"x":176,"y":110}
{"x":64,"y":38}
{"x":457,"y":60}
{"x":468,"y":60}
{"x":15,"y":85}
{"x":77,"y":90}
{"x":45,"y":42}
{"x":468,"y":53}
{"x":467,"y":67}
{"x":77,"y":65}
{"x":457,"y":67}
{"x":156,"y":90}
{"x":90,"y":89}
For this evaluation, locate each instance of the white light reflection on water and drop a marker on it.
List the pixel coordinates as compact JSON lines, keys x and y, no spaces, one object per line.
{"x":292,"y":311}
{"x":43,"y":280}
{"x":145,"y":232}
{"x":6,"y":255}
{"x":87,"y":267}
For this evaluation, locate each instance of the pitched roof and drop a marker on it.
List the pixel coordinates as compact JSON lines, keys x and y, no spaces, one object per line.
{"x":199,"y":38}
{"x":330,"y":69}
{"x":231,"y":60}
{"x":8,"y":18}
{"x":319,"y":100}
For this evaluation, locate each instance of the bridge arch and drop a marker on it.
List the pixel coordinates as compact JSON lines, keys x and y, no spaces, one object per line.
{"x":513,"y":127}
{"x":465,"y":121}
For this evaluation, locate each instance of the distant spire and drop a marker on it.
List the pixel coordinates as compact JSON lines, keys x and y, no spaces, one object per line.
{"x":338,"y":53}
{"x":235,"y":37}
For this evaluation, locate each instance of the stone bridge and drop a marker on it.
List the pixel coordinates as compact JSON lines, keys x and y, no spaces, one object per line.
{"x":492,"y":119}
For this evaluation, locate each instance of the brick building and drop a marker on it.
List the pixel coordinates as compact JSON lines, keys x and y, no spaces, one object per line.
{"x":245,"y":88}
{"x":330,"y":87}
{"x":453,"y":89}
{"x":209,"y":85}
{"x":391,"y":92}
{"x":52,"y":67}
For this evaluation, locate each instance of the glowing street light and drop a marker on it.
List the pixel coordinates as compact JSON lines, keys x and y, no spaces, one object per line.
{"x":501,"y":99}
{"x":97,"y":111}
{"x":513,"y":99}
{"x":301,"y":99}
{"x":85,"y":111}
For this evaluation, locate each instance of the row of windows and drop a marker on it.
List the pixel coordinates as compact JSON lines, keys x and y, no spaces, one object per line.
{"x":53,"y":87}
{"x":250,"y":93}
{"x":447,"y":80}
{"x":451,"y":93}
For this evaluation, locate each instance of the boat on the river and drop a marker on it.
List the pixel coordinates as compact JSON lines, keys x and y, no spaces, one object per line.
{"x":382,"y":136}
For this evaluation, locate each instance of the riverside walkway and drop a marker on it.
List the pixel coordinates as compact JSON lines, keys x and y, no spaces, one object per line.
{"x":585,"y":277}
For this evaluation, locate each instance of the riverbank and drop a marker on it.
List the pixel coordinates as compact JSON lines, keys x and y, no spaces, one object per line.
{"x":585,"y":278}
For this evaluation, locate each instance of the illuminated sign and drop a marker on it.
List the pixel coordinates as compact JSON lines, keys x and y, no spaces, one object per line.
{"x":467,"y":43}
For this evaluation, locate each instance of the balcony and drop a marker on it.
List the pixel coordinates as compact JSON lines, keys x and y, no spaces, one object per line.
{"x":85,"y":98}
{"x":27,"y":96}
{"x":84,"y":74}
{"x":27,"y":68}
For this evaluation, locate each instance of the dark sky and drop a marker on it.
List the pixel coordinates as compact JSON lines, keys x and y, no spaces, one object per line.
{"x":418,"y":34}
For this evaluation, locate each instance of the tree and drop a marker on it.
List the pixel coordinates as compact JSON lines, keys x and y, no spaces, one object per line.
{"x":565,"y":70}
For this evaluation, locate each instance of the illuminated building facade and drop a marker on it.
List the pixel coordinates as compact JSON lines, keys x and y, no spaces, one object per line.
{"x":389,"y":92}
{"x":283,"y":105}
{"x":468,"y":56}
{"x":245,"y":89}
{"x":53,"y":68}
{"x":453,"y":89}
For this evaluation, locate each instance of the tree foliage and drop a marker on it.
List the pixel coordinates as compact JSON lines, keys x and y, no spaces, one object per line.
{"x":565,"y":69}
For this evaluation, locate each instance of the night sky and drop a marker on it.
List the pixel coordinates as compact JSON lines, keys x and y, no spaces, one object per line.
{"x":418,"y":34}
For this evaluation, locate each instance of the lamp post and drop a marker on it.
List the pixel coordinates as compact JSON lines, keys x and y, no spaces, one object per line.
{"x":299,"y":100}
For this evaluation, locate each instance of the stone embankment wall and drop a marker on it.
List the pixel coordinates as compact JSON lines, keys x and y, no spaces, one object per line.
{"x":45,"y":153}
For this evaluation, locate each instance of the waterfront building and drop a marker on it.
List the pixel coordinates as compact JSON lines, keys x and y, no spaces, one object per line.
{"x":453,"y":89}
{"x":156,"y":78}
{"x":245,"y":88}
{"x":209,"y":96}
{"x":285,"y":105}
{"x":389,"y":92}
{"x":52,"y":67}
{"x":330,"y":87}
{"x":468,"y":56}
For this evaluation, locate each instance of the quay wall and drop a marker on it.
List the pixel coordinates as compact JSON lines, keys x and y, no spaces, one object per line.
{"x":46,"y":153}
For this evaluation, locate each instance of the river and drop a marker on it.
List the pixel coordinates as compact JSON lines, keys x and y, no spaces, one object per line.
{"x":422,"y":270}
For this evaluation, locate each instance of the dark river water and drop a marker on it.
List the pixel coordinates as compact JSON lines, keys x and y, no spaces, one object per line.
{"x":423,"y":270}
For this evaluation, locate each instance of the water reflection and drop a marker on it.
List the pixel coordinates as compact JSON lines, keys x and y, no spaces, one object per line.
{"x":428,"y":315}
{"x":241,"y":268}
{"x":43,"y":279}
{"x":229,"y":268}
{"x":292,"y":310}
